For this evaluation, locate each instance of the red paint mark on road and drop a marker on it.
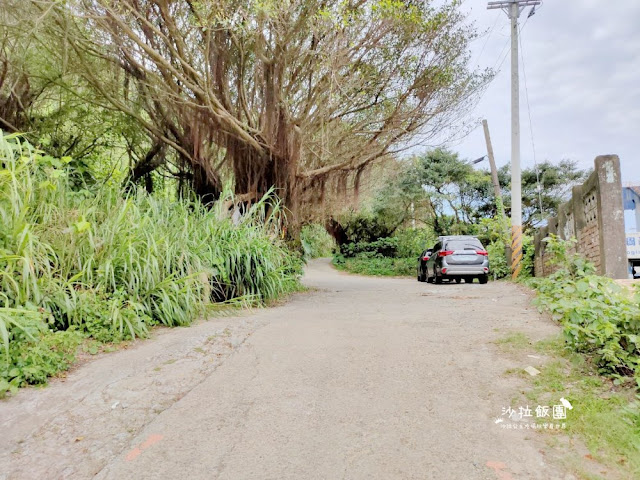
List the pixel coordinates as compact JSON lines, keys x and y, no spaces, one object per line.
{"x":149,"y":442}
{"x":133,"y":454}
{"x":152,"y":440}
{"x":498,"y":467}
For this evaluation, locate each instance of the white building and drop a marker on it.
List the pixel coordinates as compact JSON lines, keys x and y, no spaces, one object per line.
{"x":631,"y":199}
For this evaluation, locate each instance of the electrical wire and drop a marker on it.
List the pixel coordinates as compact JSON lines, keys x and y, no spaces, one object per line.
{"x":533,"y":143}
{"x":507,"y":48}
{"x":487,"y":39}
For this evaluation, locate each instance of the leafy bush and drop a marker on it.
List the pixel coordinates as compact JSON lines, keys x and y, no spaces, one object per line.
{"x":32,"y":359}
{"x":316,"y":242}
{"x":495,"y":233}
{"x":412,"y":242}
{"x":498,"y":260}
{"x":384,"y":247}
{"x":391,"y":256}
{"x":372,"y":264}
{"x":109,"y":267}
{"x":366,"y":228}
{"x":599,"y":317}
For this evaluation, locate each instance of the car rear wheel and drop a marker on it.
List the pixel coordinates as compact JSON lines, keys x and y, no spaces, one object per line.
{"x":438,"y":278}
{"x":421,"y":276}
{"x":483,"y":279}
{"x":458,"y":280}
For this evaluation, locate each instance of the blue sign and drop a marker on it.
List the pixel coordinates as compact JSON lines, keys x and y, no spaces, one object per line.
{"x":633,"y":246}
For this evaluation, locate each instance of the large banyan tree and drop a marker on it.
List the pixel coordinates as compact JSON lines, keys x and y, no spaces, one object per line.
{"x":296,"y":95}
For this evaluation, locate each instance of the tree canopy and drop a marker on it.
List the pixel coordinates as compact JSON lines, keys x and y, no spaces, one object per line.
{"x":298,"y":95}
{"x":442,"y":191}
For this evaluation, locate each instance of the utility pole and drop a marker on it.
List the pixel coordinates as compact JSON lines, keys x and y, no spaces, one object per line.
{"x":513,"y":9}
{"x":494,"y":170}
{"x":504,"y":233}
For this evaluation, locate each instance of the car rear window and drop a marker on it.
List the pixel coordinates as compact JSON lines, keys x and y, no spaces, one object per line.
{"x":470,"y":244}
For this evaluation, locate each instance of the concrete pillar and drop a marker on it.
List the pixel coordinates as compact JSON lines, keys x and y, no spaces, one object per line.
{"x":538,"y":245}
{"x":562,"y":221}
{"x":552,"y":225}
{"x":613,"y":250}
{"x":578,"y":209}
{"x":541,"y":270}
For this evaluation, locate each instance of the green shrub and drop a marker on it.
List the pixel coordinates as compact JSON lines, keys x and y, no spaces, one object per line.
{"x":412,"y":242}
{"x":109,"y":267}
{"x":498,"y":260}
{"x":32,"y":360}
{"x":366,"y":228}
{"x":384,"y":247}
{"x":599,"y":317}
{"x":372,"y":264}
{"x":316,"y":242}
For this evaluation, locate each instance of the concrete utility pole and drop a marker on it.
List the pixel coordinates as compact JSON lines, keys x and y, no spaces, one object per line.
{"x":494,"y":170}
{"x":513,"y":9}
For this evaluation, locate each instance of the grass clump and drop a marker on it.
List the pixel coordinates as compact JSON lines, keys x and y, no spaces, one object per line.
{"x":605,"y":417}
{"x":98,"y":264}
{"x":513,"y":342}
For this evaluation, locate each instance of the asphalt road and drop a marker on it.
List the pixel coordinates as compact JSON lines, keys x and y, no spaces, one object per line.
{"x":360,"y":378}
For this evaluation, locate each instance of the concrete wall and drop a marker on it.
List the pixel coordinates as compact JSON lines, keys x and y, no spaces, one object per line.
{"x":595,"y":217}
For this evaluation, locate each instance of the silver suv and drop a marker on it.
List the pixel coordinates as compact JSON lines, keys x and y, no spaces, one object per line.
{"x":454,"y":258}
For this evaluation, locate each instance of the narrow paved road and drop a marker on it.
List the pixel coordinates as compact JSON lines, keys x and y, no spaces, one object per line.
{"x":361,"y":378}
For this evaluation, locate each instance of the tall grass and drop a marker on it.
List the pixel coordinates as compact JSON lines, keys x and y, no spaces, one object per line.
{"x":109,"y":266}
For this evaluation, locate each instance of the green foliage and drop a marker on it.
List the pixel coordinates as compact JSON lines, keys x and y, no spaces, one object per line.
{"x":411,"y":243}
{"x":316,"y":242}
{"x":599,"y":317}
{"x":387,"y":256}
{"x":366,"y":228}
{"x":495,"y":230}
{"x":555,"y":180}
{"x":110,"y":267}
{"x":371,"y":264}
{"x":383,"y":247}
{"x":31,"y":360}
{"x":458,"y":194}
{"x":495,"y":234}
{"x":498,"y":260}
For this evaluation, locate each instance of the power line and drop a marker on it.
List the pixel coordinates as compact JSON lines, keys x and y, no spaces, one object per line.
{"x":505,"y":50}
{"x":487,"y":39}
{"x":533,"y":143}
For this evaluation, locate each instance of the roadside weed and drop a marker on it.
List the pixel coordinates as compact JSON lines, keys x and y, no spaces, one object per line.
{"x":105,"y":265}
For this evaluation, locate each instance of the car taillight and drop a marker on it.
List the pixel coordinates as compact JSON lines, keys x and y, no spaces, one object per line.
{"x":444,"y":271}
{"x":445,"y":253}
{"x":482,"y":252}
{"x":425,"y":258}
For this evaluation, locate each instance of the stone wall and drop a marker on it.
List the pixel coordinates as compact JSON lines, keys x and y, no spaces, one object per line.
{"x":595,"y":217}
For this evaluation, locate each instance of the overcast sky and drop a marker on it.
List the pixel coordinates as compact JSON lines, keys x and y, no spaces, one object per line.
{"x":582,"y":62}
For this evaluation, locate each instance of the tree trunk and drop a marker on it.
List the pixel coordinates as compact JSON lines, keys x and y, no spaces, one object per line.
{"x":337,"y":231}
{"x":142,"y":170}
{"x":204,"y":184}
